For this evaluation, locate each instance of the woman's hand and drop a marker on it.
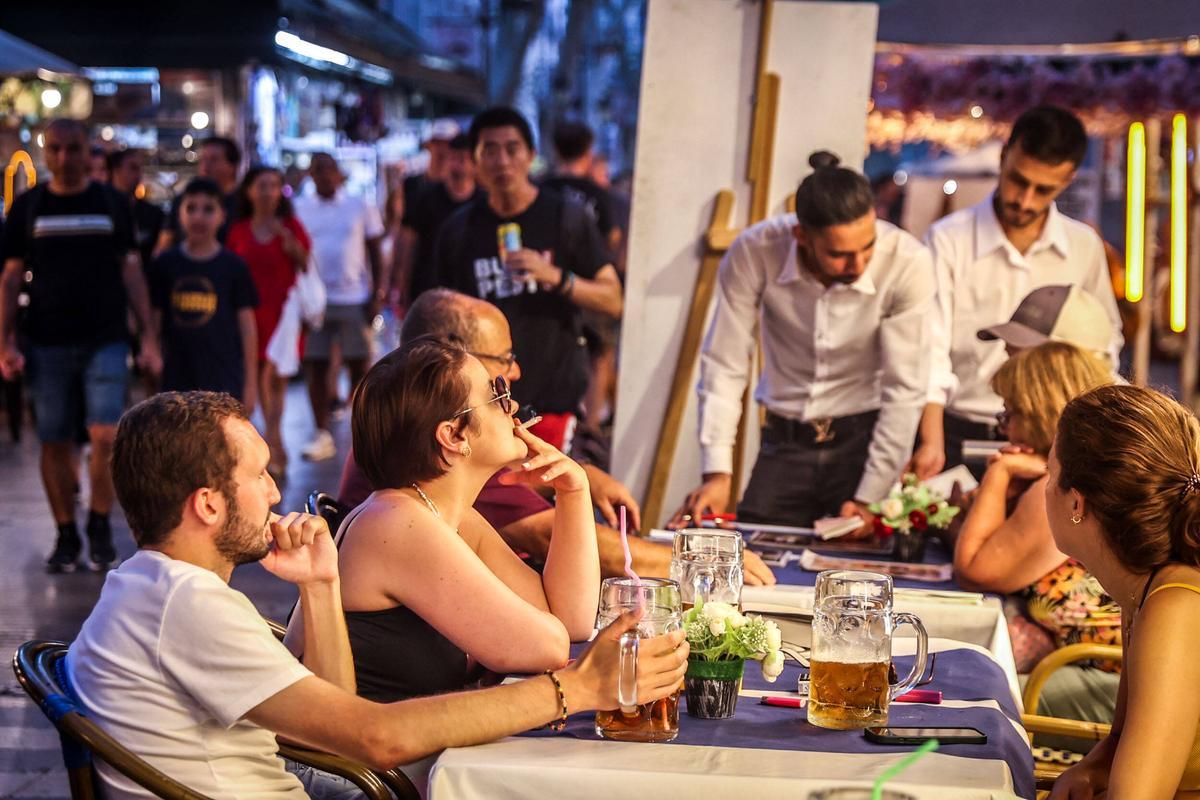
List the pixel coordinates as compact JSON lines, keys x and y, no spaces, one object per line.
{"x":591,"y":682}
{"x":546,"y":466}
{"x":1022,"y":466}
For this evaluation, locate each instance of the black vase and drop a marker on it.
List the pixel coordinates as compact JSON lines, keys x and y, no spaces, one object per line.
{"x":909,"y":547}
{"x":711,"y":688}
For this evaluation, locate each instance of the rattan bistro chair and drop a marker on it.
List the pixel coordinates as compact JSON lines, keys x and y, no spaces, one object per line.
{"x":1045,"y":772}
{"x":394,"y":779}
{"x":41,"y":670}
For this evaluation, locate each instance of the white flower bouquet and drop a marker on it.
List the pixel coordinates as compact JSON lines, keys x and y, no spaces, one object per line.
{"x":719,"y":632}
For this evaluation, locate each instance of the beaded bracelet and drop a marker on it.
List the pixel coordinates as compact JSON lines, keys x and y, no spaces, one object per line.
{"x":561,"y":722}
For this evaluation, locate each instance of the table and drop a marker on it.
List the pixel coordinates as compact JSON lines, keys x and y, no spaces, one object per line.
{"x":764,"y":751}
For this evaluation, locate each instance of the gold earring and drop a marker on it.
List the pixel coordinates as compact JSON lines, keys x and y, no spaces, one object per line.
{"x":466,"y":450}
{"x":1077,"y":519}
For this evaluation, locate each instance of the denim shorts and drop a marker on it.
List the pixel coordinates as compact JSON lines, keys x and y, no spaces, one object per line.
{"x":67,"y":379}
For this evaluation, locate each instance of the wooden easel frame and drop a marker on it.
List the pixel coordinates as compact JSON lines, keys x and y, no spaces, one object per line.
{"x":717,"y":240}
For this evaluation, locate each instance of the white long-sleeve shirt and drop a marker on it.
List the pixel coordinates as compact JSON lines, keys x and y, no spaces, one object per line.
{"x":982,"y":278}
{"x":828,"y":351}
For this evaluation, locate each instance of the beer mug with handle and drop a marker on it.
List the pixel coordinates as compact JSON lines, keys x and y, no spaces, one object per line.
{"x":635,"y":721}
{"x":707,"y":563}
{"x":853,"y":623}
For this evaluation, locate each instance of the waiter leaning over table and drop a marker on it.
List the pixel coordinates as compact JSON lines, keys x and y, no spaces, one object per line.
{"x":844,"y":304}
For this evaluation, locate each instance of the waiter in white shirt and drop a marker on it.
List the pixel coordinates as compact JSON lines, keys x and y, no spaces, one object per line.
{"x":844,"y":303}
{"x":987,"y":259}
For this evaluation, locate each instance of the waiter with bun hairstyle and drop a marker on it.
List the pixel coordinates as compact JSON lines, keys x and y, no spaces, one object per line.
{"x":844,"y":304}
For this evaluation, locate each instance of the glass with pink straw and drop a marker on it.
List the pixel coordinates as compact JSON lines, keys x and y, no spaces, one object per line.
{"x":658,"y":599}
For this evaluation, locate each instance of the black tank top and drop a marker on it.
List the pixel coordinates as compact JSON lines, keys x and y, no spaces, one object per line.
{"x":398,"y":655}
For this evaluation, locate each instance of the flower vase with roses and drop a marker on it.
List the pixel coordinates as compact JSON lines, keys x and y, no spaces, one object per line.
{"x":721,"y":640}
{"x":908,"y":514}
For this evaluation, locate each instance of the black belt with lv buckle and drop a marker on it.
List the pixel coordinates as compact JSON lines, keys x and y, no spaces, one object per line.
{"x":822,"y":431}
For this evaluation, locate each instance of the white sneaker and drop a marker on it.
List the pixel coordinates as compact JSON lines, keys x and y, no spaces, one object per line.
{"x":320,"y":448}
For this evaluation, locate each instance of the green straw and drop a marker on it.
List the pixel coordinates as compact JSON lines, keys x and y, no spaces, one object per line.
{"x":913,"y":757}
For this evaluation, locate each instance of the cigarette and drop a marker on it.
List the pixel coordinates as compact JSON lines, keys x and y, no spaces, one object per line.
{"x":527,"y":425}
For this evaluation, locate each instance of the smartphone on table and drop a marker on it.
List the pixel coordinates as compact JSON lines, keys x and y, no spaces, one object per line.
{"x":894,"y":734}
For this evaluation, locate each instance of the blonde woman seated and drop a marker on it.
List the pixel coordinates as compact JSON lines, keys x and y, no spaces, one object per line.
{"x":431,"y":592}
{"x":1123,"y":497}
{"x":1004,"y":544}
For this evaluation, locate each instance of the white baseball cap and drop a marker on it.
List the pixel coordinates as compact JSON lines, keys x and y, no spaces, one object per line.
{"x":1056,"y":314}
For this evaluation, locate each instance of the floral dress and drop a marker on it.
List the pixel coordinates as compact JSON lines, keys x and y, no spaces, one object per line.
{"x":1071,"y":605}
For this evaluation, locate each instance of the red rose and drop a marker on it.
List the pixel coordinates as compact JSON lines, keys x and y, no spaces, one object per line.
{"x":933,"y":509}
{"x":882,"y":529}
{"x":919,"y":521}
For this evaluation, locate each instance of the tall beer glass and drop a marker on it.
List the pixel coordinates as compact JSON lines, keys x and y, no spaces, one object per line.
{"x":707,"y":563}
{"x":635,"y":721}
{"x":853,"y":623}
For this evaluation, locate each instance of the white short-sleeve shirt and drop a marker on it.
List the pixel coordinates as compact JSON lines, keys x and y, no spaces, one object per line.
{"x":339,"y":228}
{"x":168,"y":663}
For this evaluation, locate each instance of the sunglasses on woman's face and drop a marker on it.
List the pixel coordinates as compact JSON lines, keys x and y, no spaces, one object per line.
{"x":500,"y":392}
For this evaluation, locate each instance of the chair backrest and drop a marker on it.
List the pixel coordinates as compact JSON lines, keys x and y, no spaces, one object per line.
{"x":326,"y":506}
{"x":41,"y":670}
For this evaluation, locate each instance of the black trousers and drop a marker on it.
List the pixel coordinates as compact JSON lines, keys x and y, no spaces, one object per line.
{"x":798,"y":479}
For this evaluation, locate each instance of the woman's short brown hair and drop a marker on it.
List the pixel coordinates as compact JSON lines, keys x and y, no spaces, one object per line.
{"x":1133,"y":454}
{"x":167,"y":447}
{"x":1039,"y":382}
{"x":397,"y":408}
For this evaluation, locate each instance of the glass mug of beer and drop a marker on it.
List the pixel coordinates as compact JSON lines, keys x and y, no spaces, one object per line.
{"x":634,"y":721}
{"x":707,"y":563}
{"x":853,"y":623}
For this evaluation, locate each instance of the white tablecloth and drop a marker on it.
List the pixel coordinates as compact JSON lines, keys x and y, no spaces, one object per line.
{"x":519,"y":767}
{"x":981,"y":624}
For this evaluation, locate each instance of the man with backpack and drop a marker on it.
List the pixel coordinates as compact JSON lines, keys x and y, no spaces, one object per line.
{"x":539,"y":257}
{"x":73,"y":240}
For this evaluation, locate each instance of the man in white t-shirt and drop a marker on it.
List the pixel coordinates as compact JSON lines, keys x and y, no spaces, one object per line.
{"x":180,"y":668}
{"x":346,"y":231}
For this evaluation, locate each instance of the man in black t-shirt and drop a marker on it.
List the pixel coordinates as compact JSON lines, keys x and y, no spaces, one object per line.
{"x":219,"y":159}
{"x":425,"y":217}
{"x":125,"y":175}
{"x":204,"y":301}
{"x":573,"y":146}
{"x":561,"y":268}
{"x":75,"y":238}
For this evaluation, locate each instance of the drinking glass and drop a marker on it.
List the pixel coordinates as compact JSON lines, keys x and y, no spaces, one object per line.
{"x":853,"y":623}
{"x":707,"y":564}
{"x":634,"y":721}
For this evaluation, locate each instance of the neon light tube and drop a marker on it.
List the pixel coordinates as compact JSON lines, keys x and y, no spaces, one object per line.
{"x":1135,"y":214}
{"x":1179,"y":230}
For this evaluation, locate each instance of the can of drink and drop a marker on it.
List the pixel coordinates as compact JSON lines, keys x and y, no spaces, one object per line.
{"x":508,"y":239}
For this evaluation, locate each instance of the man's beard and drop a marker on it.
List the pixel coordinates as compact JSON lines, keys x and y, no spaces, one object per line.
{"x":1013,"y":217}
{"x":808,"y":260}
{"x":240,"y":541}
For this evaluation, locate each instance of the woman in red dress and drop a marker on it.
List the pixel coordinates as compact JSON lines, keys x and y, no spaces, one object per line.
{"x":275,"y":245}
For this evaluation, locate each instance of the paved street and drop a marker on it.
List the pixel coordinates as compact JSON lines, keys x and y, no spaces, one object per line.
{"x":36,"y":605}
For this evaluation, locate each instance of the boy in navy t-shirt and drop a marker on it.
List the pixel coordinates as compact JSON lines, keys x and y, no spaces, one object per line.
{"x":204,"y":301}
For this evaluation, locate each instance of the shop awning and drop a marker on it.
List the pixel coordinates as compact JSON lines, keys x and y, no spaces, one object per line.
{"x":19,"y":57}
